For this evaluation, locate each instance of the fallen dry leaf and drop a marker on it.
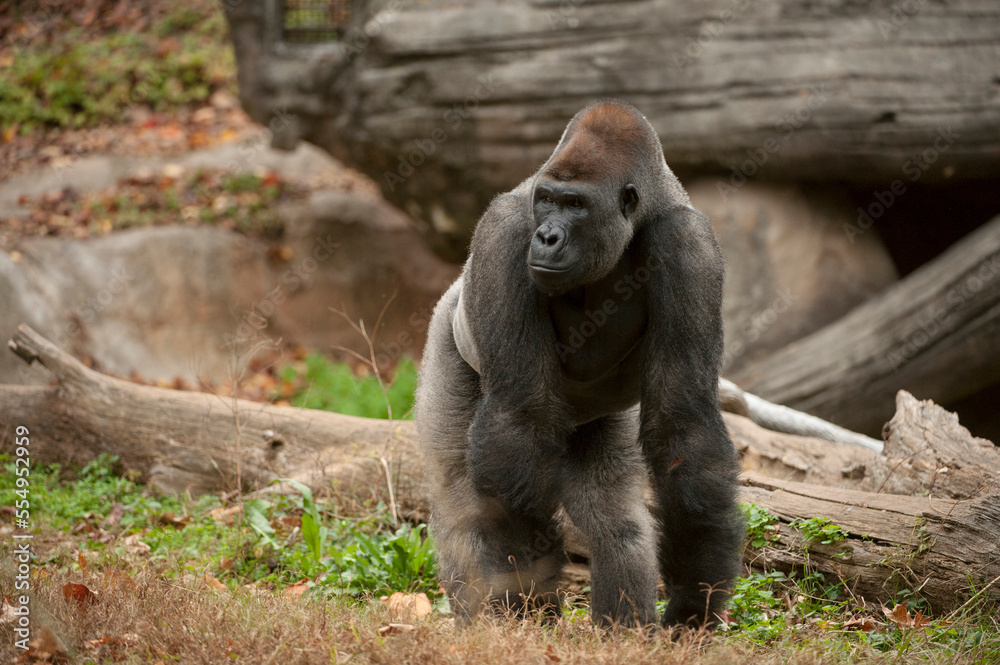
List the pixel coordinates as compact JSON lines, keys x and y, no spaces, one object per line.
{"x":408,"y":606}
{"x":120,"y":582}
{"x":290,"y":521}
{"x":80,"y":593}
{"x":900,"y":616}
{"x":866,"y":624}
{"x":134,"y":544}
{"x":396,"y":628}
{"x":226,"y":515}
{"x":112,"y":648}
{"x":168,"y":519}
{"x":116,"y":514}
{"x":296,"y":590}
{"x":213,"y":582}
{"x":7,"y":613}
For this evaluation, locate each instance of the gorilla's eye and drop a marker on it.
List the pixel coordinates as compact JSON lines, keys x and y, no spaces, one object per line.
{"x":547,"y":199}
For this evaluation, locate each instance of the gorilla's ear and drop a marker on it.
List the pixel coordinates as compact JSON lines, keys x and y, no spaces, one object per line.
{"x":630,"y":200}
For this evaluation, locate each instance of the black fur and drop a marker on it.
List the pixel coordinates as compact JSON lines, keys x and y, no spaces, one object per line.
{"x":591,"y":288}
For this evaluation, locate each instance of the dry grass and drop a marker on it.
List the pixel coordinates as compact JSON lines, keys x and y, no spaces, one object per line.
{"x":156,"y":620}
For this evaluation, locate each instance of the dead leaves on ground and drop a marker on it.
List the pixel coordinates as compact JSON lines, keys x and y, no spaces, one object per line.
{"x":900,"y":616}
{"x":407,"y":606}
{"x":404,"y":607}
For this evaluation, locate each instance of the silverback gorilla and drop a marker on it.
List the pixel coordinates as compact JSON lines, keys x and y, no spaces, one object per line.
{"x":591,"y":288}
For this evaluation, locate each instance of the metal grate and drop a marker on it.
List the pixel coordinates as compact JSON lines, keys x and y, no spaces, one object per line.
{"x":313,"y":21}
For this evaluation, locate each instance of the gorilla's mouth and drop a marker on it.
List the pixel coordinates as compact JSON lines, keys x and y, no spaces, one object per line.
{"x":549,"y":270}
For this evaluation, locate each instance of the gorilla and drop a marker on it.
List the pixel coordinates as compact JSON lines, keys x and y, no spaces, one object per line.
{"x":574,"y":367}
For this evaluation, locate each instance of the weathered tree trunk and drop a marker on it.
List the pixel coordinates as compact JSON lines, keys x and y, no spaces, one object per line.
{"x":447,"y":103}
{"x":939,"y":546}
{"x":203,"y":443}
{"x":936,"y":334}
{"x":197,"y":442}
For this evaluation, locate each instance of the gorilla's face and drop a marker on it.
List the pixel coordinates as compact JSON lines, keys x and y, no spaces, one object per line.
{"x":581,"y":231}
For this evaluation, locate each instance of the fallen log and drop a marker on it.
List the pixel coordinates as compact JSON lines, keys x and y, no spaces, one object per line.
{"x":198,"y":442}
{"x":940,"y":548}
{"x":446,"y":103}
{"x":935,"y":333}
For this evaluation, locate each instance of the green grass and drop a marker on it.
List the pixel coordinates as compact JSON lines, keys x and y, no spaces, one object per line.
{"x":318,"y":383}
{"x":341,"y":556}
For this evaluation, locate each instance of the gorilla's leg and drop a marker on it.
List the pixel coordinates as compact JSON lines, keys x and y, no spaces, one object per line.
{"x":695,"y":487}
{"x":605,"y":481}
{"x":487,"y":555}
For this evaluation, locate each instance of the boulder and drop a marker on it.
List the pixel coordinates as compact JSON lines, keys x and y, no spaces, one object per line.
{"x":790,"y":267}
{"x":197,"y":302}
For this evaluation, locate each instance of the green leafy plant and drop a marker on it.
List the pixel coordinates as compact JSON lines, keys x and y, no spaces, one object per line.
{"x":754,"y":605}
{"x":820,"y":530}
{"x":313,"y":531}
{"x":400,"y":561}
{"x":761,"y":525}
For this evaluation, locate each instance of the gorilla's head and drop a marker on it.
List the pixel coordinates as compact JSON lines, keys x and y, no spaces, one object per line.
{"x":587,"y":199}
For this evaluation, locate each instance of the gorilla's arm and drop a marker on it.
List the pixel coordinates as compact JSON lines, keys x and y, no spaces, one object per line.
{"x":684,"y":439}
{"x":521,"y":424}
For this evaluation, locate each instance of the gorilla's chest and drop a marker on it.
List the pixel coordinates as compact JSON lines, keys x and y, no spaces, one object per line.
{"x":597,"y":327}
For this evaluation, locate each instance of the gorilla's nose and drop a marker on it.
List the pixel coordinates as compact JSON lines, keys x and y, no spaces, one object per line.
{"x":549,"y":235}
{"x":547,"y":242}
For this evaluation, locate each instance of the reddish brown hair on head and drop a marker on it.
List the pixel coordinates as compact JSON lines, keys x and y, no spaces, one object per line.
{"x":604,"y":138}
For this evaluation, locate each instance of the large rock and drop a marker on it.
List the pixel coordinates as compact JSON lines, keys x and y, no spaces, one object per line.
{"x":378,"y":270}
{"x":156,"y":301}
{"x":198,"y":302}
{"x":790,"y":267}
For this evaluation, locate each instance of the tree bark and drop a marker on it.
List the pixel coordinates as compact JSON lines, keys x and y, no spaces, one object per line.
{"x":940,"y":547}
{"x":935,"y":333}
{"x":447,"y":103}
{"x":197,"y":442}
